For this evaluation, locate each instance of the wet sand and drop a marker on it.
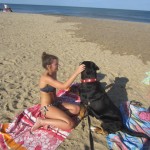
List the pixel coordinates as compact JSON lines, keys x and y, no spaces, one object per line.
{"x":120,"y":37}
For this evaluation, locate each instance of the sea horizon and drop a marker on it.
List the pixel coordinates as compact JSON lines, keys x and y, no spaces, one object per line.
{"x":72,"y":6}
{"x":86,"y":12}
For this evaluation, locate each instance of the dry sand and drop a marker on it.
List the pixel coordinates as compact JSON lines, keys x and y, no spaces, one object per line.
{"x":120,"y":48}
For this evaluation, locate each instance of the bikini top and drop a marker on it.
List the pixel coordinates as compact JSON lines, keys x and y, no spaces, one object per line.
{"x":48,"y":89}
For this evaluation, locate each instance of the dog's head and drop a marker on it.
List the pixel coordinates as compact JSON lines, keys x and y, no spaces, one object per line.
{"x":90,"y":70}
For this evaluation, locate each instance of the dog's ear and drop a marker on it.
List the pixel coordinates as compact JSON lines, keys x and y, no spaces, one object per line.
{"x":96,"y":67}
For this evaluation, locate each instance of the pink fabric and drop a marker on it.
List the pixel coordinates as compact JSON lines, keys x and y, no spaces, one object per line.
{"x":118,"y":143}
{"x":144,"y":116}
{"x":16,"y":135}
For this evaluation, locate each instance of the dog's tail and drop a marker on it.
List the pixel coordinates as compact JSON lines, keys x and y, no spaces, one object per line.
{"x":133,"y":133}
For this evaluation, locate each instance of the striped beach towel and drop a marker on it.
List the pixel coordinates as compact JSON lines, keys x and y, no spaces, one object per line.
{"x":136,"y":118}
{"x":17,"y":136}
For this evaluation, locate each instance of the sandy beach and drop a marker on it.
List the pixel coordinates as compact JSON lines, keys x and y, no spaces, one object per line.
{"x":121,"y":49}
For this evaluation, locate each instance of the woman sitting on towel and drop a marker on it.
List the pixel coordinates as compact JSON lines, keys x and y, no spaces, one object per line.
{"x":55,"y":113}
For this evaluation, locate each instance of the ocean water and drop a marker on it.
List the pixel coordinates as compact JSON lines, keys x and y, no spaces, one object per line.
{"x":101,"y":13}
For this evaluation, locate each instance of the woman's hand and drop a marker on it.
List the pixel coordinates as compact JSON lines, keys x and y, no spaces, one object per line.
{"x":80,"y":69}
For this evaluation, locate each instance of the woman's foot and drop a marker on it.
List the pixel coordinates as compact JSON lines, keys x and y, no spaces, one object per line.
{"x":37,"y":124}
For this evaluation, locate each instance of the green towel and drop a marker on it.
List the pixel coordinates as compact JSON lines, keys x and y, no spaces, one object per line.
{"x":147,"y":79}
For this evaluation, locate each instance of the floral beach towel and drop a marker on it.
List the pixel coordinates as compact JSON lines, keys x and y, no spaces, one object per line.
{"x":136,"y":118}
{"x":17,"y":136}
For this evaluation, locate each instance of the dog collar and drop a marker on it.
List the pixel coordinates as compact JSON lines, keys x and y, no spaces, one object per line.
{"x":89,"y":80}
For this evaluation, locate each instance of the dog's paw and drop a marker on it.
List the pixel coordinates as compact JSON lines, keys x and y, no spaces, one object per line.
{"x":98,"y":130}
{"x":83,"y":112}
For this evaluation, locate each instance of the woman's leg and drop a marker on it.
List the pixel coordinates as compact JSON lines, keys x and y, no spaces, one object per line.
{"x":74,"y":109}
{"x":70,"y":109}
{"x":55,"y":117}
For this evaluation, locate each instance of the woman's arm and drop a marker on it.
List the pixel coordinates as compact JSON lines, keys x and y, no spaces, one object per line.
{"x":65,"y":85}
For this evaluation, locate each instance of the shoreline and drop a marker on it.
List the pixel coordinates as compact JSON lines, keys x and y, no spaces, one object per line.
{"x":77,"y":18}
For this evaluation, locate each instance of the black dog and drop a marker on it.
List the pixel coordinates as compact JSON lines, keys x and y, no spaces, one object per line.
{"x":98,"y":104}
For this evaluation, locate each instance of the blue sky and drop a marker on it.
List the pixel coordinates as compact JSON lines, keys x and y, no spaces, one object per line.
{"x":118,"y":4}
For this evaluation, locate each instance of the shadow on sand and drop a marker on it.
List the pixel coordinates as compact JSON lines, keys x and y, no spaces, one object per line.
{"x":116,"y":90}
